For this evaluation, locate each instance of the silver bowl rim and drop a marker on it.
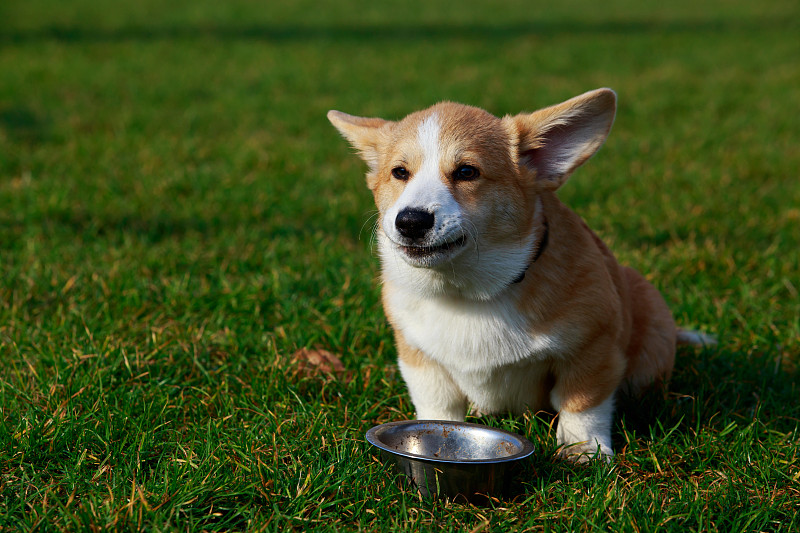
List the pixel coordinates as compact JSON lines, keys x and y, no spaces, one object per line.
{"x":526,"y":445}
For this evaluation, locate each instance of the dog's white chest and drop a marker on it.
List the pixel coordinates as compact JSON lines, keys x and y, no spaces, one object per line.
{"x":468,"y":336}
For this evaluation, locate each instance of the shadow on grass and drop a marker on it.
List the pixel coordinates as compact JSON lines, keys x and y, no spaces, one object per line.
{"x":712,"y":388}
{"x":389,"y":32}
{"x":85,"y":226}
{"x":150,"y":228}
{"x":23,"y":124}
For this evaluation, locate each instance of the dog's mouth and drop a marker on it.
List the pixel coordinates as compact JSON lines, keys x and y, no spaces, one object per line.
{"x":426,"y":252}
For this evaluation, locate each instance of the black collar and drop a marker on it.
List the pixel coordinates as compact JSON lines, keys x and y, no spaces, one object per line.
{"x":537,"y":255}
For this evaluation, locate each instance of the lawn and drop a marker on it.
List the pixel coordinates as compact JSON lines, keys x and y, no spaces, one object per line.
{"x":178,"y":218}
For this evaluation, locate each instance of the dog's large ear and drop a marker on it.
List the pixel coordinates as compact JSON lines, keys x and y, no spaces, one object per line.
{"x":556,"y":140}
{"x":363,"y":133}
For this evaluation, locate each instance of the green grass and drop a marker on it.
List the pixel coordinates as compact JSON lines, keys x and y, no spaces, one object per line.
{"x":177,"y":217}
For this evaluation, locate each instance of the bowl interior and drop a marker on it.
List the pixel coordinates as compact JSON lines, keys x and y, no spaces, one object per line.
{"x":449,"y":441}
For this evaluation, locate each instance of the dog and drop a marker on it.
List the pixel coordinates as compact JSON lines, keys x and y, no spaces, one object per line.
{"x":500,"y":297}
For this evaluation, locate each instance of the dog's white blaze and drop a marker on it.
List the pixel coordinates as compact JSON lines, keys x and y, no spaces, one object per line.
{"x":427,"y":191}
{"x":428,"y":133}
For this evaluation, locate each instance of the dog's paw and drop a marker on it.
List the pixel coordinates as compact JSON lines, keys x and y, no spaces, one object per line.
{"x":475,"y":411}
{"x":586,"y":435}
{"x":584,"y":452}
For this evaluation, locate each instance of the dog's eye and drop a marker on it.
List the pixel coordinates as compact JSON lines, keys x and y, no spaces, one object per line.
{"x":466,"y":173}
{"x":400,"y":173}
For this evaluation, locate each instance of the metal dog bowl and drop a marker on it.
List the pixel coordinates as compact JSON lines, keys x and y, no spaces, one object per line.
{"x":451,"y":458}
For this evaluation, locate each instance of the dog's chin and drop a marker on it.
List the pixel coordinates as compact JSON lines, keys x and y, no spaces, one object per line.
{"x":431,"y":256}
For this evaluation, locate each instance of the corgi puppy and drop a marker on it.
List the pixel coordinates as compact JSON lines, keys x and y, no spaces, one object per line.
{"x":499,"y":295}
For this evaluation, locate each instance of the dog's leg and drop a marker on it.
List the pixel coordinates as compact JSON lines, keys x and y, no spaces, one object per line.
{"x":433,"y":392}
{"x":584,"y":397}
{"x":586,"y":434}
{"x":651,"y":349}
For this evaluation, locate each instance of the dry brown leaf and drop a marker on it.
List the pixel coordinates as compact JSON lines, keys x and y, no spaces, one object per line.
{"x":313,"y":362}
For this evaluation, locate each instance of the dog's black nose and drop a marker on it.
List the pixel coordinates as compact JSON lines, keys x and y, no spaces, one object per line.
{"x":413,"y":223}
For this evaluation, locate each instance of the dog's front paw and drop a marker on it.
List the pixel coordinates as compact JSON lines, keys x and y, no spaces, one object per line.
{"x":586,"y":435}
{"x":583,"y":452}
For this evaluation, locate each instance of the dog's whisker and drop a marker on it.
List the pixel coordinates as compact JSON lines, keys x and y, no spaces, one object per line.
{"x":472,"y":231}
{"x":373,"y":239}
{"x":367,"y":221}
